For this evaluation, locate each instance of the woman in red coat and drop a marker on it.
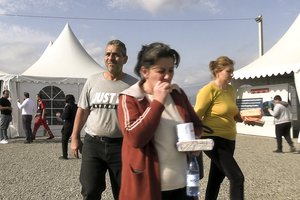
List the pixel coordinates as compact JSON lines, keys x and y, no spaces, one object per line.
{"x":148,"y":112}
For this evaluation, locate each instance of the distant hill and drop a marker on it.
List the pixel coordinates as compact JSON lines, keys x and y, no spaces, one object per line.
{"x":191,"y":92}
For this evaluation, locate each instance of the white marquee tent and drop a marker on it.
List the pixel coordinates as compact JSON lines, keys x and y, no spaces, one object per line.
{"x":62,"y":69}
{"x":2,"y":73}
{"x":279,"y":65}
{"x":64,"y":58}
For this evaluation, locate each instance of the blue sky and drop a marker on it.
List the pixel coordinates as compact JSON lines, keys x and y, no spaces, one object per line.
{"x":208,"y":35}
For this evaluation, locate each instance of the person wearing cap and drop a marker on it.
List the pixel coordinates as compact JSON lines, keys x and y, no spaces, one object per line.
{"x":28,"y":108}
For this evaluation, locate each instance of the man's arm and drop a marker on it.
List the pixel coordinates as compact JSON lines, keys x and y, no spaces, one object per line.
{"x":80,"y":119}
{"x":43,"y":113}
{"x":5,"y":108}
{"x":22,"y":105}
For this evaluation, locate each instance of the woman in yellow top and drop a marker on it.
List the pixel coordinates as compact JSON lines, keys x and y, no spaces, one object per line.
{"x":216,"y":107}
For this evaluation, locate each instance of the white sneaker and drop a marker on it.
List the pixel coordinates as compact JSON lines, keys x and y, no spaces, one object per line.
{"x":3,"y":142}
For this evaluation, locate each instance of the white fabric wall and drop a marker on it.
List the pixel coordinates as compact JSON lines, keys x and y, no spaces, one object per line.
{"x":297,"y":83}
{"x":11,"y":85}
{"x":19,"y":85}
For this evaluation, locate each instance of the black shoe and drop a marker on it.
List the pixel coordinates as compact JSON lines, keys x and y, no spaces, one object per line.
{"x":292,"y":149}
{"x":50,"y":137}
{"x":278,"y":151}
{"x":63,"y":158}
{"x":26,"y":142}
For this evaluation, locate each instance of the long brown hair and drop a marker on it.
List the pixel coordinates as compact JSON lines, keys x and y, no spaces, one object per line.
{"x":220,"y":64}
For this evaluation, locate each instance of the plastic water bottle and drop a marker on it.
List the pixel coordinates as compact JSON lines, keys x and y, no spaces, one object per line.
{"x":192,"y":177}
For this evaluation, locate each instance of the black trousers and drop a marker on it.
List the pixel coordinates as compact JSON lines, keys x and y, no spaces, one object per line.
{"x":283,"y":130}
{"x":223,"y":164}
{"x":26,"y":120}
{"x":65,"y":137}
{"x":178,"y":194}
{"x":98,"y":157}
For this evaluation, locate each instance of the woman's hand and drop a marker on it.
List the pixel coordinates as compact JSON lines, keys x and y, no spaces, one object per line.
{"x":161,"y":90}
{"x":238,"y":118}
{"x":194,"y":153}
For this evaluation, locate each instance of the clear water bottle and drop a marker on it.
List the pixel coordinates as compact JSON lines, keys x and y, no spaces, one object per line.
{"x":192,"y":177}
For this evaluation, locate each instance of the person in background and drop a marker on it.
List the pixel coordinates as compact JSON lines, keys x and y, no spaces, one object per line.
{"x":97,"y":107}
{"x":5,"y":116}
{"x":40,"y":118}
{"x":28,"y":108}
{"x":283,"y":122}
{"x":68,"y":117}
{"x":216,"y":106}
{"x":152,"y":167}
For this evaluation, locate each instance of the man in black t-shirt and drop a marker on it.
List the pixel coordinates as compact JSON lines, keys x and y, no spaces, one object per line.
{"x":5,"y":116}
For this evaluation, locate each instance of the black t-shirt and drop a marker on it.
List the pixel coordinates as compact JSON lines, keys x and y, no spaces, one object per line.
{"x":4,"y":103}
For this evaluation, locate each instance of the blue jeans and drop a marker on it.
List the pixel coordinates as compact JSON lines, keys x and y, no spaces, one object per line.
{"x":223,"y":164}
{"x":98,"y":157}
{"x":4,"y":124}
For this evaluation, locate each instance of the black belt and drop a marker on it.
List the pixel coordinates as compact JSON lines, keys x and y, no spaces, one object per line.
{"x":105,"y":139}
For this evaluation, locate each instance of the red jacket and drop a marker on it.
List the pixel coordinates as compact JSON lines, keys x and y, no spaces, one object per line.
{"x":138,"y":120}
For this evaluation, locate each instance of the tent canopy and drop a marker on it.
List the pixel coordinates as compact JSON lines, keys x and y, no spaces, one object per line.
{"x":62,"y":69}
{"x":283,"y":57}
{"x":2,"y":73}
{"x":64,"y":58}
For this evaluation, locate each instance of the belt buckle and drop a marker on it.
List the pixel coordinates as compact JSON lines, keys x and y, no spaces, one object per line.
{"x":102,"y":139}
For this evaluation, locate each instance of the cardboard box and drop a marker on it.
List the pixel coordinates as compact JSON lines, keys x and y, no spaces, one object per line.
{"x":195,"y":145}
{"x":252,"y":117}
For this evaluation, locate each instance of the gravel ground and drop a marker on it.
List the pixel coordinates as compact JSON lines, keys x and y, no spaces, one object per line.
{"x":33,"y":171}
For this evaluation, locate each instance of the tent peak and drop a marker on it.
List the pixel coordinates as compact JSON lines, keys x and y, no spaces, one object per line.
{"x":282,"y":58}
{"x":65,"y":57}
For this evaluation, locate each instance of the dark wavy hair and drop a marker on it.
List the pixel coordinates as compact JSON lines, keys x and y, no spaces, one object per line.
{"x":70,"y":98}
{"x":26,"y":94}
{"x":278,"y":98}
{"x":150,"y":54}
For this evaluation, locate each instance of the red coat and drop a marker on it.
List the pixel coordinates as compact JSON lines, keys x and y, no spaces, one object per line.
{"x":138,"y":120}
